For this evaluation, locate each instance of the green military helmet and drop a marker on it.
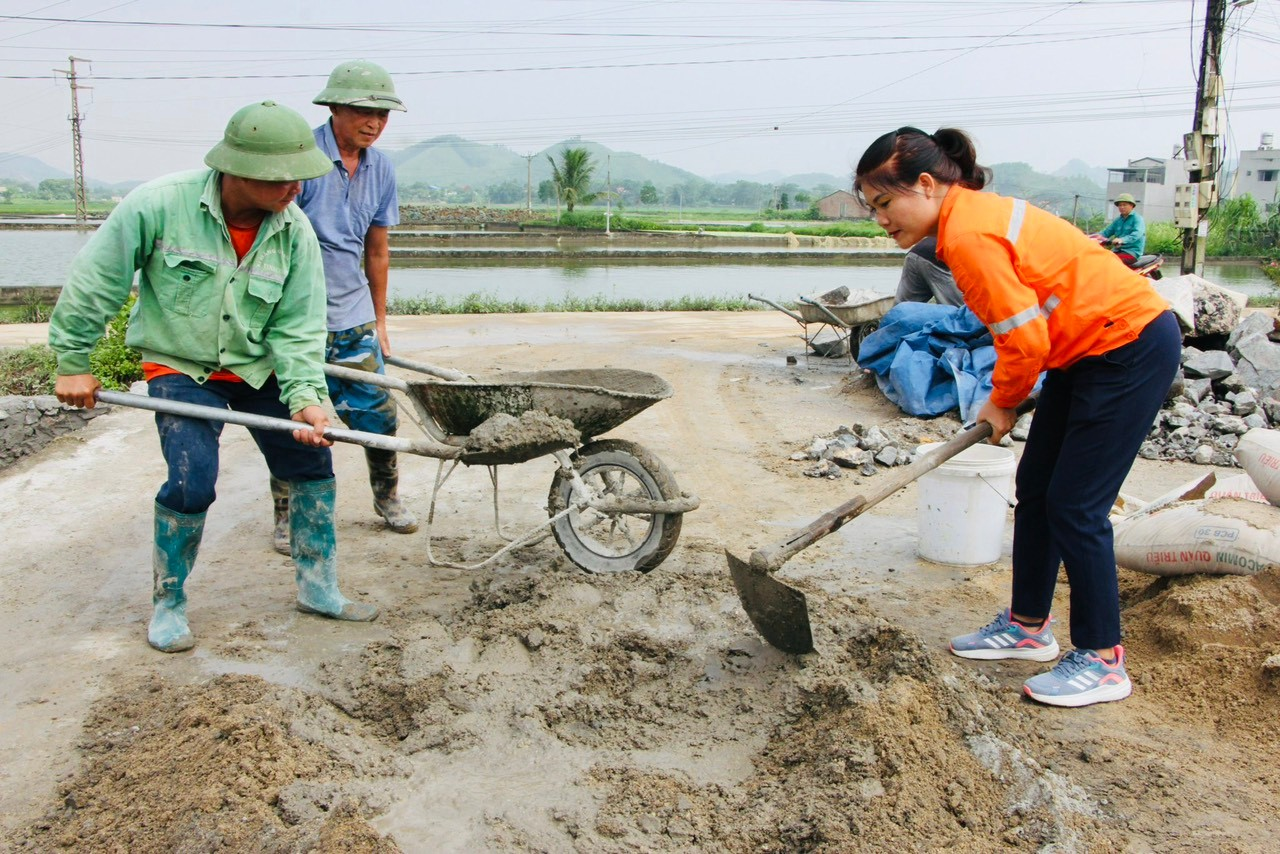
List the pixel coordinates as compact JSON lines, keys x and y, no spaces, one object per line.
{"x":268,"y":142}
{"x":360,"y":83}
{"x":1125,"y":197}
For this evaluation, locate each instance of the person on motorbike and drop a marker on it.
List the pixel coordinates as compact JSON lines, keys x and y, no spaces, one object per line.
{"x":1126,"y":235}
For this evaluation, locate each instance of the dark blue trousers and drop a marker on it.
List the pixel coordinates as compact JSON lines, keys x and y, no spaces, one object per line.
{"x":190,"y":445}
{"x":1089,"y":424}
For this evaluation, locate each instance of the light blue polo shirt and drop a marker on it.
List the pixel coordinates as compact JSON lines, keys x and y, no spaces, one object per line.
{"x":342,"y":208}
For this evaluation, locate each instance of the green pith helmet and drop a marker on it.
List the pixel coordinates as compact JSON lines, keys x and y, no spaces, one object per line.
{"x":360,"y":83}
{"x":1125,"y":197}
{"x":268,"y":142}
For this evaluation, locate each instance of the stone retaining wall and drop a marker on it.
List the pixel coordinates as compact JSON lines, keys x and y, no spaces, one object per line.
{"x":27,"y":424}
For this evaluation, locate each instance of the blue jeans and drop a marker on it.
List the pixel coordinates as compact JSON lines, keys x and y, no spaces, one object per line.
{"x":1090,"y":421}
{"x":361,"y":406}
{"x":190,"y":445}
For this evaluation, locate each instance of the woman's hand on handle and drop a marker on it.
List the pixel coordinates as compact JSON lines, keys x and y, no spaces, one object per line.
{"x":319,"y":421}
{"x":77,"y":390}
{"x":1000,"y":419}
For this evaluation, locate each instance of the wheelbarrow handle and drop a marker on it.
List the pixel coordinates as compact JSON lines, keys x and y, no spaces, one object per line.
{"x":433,"y":370}
{"x":421,"y":447}
{"x":355,"y":375}
{"x":788,"y":312}
{"x":835,"y":321}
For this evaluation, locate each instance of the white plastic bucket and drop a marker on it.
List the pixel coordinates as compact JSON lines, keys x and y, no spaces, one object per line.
{"x":963,"y":505}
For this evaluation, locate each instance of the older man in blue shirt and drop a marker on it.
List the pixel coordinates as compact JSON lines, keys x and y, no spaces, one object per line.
{"x":351,"y":209}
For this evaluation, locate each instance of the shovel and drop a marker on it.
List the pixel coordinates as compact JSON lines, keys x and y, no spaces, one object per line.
{"x":779,"y":612}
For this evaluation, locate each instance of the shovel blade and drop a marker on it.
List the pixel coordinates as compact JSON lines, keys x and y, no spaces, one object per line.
{"x":779,"y":613}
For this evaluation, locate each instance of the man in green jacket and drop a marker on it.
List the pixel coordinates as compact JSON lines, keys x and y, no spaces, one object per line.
{"x":230,"y":314}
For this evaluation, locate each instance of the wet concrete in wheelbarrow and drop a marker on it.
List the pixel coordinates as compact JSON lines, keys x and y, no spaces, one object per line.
{"x":536,"y":707}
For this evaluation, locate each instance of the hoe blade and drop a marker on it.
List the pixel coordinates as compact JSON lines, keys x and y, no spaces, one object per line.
{"x":779,"y":613}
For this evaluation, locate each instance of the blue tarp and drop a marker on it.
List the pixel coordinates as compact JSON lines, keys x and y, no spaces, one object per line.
{"x":930,"y":359}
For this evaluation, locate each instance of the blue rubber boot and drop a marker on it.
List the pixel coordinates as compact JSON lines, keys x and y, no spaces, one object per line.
{"x":315,"y":552}
{"x":177,"y":539}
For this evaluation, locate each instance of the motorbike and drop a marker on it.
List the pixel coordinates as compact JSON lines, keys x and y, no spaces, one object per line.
{"x":1143,"y":265}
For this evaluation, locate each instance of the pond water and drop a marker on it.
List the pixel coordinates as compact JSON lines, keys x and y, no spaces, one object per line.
{"x":41,"y":257}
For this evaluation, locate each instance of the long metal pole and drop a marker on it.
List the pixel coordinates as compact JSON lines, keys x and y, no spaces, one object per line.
{"x":421,"y":447}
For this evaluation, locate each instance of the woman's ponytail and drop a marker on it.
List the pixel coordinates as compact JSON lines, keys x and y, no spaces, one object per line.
{"x":899,"y":158}
{"x":957,"y":147}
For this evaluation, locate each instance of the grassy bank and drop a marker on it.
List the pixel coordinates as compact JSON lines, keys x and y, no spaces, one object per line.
{"x":593,"y":220}
{"x":480,"y":303}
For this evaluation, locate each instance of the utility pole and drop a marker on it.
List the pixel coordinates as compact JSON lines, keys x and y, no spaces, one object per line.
{"x":77,"y":152}
{"x":608,"y":194}
{"x":1075,"y":207}
{"x":528,"y":183}
{"x":1193,"y":199}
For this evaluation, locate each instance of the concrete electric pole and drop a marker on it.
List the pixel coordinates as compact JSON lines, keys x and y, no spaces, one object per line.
{"x":528,"y":183}
{"x":1192,"y":200}
{"x":77,"y":151}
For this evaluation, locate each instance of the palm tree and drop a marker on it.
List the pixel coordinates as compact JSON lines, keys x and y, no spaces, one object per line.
{"x":573,"y":176}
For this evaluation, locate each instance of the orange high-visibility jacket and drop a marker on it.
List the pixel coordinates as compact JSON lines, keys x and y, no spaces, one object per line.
{"x":1049,"y":294}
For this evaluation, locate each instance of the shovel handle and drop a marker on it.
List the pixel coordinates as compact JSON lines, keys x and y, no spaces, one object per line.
{"x":768,"y":559}
{"x":279,"y":425}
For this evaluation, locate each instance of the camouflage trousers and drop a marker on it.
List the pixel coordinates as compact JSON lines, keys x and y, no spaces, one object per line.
{"x":361,"y":406}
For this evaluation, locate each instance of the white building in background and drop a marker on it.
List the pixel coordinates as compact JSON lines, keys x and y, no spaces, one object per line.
{"x":1151,"y":181}
{"x":1258,"y":175}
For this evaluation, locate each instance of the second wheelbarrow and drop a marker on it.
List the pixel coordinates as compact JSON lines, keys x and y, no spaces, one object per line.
{"x":849,"y":323}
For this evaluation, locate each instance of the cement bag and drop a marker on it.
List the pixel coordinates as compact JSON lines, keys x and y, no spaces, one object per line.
{"x":1225,"y":536}
{"x":1237,"y":486}
{"x":1259,"y":455}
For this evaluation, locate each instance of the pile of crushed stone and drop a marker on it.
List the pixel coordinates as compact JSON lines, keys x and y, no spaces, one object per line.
{"x":865,"y":449}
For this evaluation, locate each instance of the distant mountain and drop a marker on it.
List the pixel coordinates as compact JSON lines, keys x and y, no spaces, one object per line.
{"x":1053,"y":193}
{"x":619,"y":165}
{"x":448,"y":161}
{"x":19,"y":167}
{"x":29,"y":170}
{"x":451,"y":161}
{"x":1074,"y":168}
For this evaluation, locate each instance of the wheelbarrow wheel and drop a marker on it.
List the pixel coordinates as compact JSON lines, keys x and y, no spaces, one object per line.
{"x":860,"y":334}
{"x":616,"y":542}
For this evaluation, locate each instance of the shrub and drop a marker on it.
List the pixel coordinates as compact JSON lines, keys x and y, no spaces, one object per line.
{"x":33,"y":310}
{"x":1163,"y":239}
{"x":28,"y":370}
{"x":115,"y":364}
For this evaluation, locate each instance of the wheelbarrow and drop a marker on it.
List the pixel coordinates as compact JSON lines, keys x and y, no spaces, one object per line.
{"x":613,"y":506}
{"x":850,"y":323}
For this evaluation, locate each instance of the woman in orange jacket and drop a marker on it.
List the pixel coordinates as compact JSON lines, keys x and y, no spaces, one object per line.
{"x":1055,"y":302}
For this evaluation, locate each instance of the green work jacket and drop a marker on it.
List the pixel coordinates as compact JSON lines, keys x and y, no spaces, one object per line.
{"x":199,"y":310}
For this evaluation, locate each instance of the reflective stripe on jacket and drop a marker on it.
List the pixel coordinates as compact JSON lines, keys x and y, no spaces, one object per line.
{"x":1049,"y":294}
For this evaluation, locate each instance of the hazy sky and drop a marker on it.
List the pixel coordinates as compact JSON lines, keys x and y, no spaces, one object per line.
{"x":712,"y":86}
